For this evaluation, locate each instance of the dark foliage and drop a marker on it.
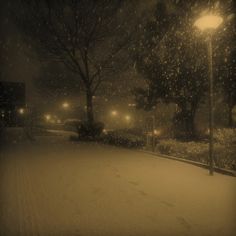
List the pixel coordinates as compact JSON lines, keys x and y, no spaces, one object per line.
{"x":2,"y":132}
{"x":123,"y":139}
{"x":171,"y":56}
{"x":226,"y":72}
{"x":87,"y":130}
{"x":72,"y":124}
{"x":174,"y":66}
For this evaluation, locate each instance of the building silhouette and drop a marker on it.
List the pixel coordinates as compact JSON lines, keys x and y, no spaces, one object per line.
{"x":12,"y":103}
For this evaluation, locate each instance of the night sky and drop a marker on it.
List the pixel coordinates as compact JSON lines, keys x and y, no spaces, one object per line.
{"x":19,"y":62}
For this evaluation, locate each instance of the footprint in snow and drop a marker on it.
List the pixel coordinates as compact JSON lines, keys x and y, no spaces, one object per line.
{"x":183,"y":222}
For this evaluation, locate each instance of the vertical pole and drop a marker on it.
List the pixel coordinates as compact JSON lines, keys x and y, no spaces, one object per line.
{"x":146,"y":129}
{"x":147,"y":140}
{"x":210,"y":75}
{"x":153,"y":133}
{"x":147,"y":134}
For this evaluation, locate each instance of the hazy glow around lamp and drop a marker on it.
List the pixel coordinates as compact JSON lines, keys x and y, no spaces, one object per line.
{"x":21,"y":111}
{"x":127,"y":117}
{"x":47,"y":117}
{"x":114,"y":113}
{"x":208,"y":22}
{"x":65,"y":105}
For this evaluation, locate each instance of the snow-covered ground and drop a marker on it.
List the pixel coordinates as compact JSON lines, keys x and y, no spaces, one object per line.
{"x":54,"y":187}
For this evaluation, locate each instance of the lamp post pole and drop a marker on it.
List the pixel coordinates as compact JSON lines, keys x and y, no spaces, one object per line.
{"x":210,"y":23}
{"x":153,"y":133}
{"x":211,"y":118}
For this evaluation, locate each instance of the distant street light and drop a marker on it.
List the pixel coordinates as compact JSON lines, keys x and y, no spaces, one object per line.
{"x":65,"y":105}
{"x":114,"y":113}
{"x":157,"y":132}
{"x":21,"y":111}
{"x":208,"y":24}
{"x":127,"y":118}
{"x":132,"y":105}
{"x":153,"y":132}
{"x":47,"y":117}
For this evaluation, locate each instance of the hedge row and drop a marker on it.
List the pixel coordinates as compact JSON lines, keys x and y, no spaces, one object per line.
{"x":224,"y":150}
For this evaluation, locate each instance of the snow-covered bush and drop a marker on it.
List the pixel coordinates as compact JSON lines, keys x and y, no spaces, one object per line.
{"x":224,"y":153}
{"x":187,"y":150}
{"x":225,"y":136}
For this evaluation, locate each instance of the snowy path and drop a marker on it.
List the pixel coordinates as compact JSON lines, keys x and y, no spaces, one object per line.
{"x":60,"y":188}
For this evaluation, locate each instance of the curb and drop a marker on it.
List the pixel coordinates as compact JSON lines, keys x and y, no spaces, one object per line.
{"x":195,"y":163}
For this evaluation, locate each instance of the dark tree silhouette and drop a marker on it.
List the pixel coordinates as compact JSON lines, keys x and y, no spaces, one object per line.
{"x":86,"y":36}
{"x":227,"y":79}
{"x":174,"y":66}
{"x":225,"y":74}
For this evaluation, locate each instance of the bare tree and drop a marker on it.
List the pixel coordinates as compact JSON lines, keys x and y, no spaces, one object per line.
{"x":85,"y":35}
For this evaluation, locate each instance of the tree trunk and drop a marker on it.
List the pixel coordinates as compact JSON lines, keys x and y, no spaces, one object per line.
{"x":184,"y":123}
{"x":190,"y":127}
{"x":230,"y":116}
{"x":89,"y":100}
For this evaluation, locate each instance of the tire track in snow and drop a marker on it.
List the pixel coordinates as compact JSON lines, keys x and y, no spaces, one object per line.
{"x":53,"y":220}
{"x":20,"y":212}
{"x":47,"y":221}
{"x":27,"y":202}
{"x":9,"y":210}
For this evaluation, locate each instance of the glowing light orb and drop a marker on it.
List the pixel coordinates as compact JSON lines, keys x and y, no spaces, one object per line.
{"x":114,"y":113}
{"x":21,"y":111}
{"x":65,"y":105}
{"x":208,"y":22}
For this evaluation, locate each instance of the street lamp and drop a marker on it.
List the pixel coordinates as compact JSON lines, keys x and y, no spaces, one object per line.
{"x":208,"y":24}
{"x":127,"y":118}
{"x":21,"y":111}
{"x":47,"y":117}
{"x":65,"y":105}
{"x":114,"y":113}
{"x":153,"y":133}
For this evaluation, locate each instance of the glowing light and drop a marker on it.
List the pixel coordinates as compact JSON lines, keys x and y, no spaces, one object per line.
{"x":131,"y":104}
{"x":127,"y":118}
{"x":21,"y":111}
{"x":65,"y":105}
{"x":207,"y":131}
{"x":208,"y":22}
{"x":47,"y":117}
{"x":114,"y":113}
{"x":157,"y":132}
